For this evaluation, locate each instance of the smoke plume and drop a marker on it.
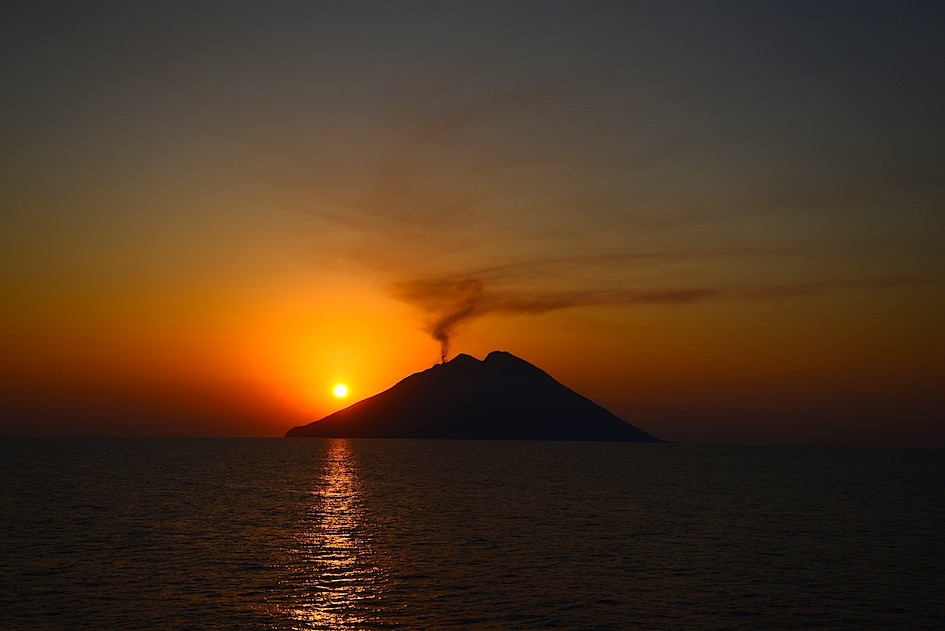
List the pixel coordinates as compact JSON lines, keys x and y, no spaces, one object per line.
{"x":448,"y":303}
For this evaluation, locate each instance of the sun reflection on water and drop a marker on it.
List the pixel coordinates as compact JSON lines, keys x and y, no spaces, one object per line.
{"x":337,"y":584}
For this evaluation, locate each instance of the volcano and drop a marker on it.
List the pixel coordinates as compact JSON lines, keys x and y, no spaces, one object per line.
{"x":501,"y":397}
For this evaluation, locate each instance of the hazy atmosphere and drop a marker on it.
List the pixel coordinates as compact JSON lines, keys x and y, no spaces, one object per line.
{"x":723,"y":222}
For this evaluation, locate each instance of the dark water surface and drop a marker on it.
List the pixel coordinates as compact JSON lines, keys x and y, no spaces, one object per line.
{"x":364,"y":534}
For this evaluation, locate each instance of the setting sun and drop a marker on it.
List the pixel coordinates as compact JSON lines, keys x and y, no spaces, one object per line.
{"x":341,"y":390}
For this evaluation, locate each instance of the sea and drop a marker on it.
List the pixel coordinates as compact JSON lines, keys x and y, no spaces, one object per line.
{"x":453,"y":534}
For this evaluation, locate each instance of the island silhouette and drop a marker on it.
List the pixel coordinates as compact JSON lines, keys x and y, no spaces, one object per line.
{"x":501,"y":397}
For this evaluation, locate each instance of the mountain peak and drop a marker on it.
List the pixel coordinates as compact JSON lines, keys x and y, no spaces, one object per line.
{"x":463,"y":358}
{"x":500,"y":397}
{"x":500,"y":356}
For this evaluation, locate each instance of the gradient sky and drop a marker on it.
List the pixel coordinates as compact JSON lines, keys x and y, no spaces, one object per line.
{"x":723,"y":221}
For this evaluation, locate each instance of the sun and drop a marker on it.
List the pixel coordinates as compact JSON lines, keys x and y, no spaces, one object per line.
{"x":341,"y":390}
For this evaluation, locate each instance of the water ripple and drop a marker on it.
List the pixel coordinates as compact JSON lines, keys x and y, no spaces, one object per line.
{"x":305,"y":535}
{"x":334,"y":581}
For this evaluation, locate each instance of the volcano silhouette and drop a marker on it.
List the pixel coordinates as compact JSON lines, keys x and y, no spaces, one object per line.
{"x":500,"y":397}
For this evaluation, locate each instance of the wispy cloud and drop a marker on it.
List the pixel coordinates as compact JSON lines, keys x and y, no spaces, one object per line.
{"x":496,"y":105}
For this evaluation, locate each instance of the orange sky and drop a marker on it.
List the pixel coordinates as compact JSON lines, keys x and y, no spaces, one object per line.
{"x":716,"y":232}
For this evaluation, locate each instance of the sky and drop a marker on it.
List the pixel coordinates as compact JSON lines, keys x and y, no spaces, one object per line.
{"x":722,"y":221}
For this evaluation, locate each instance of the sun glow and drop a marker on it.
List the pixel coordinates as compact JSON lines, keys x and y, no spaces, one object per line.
{"x":341,"y":390}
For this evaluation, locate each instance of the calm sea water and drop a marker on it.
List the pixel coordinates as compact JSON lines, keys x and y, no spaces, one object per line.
{"x":365,"y":534}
